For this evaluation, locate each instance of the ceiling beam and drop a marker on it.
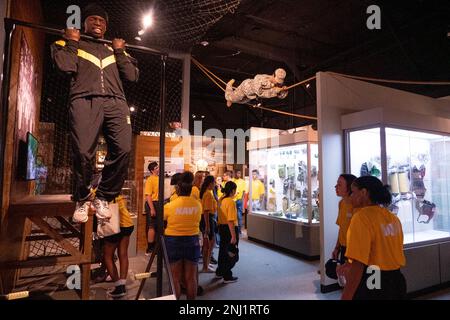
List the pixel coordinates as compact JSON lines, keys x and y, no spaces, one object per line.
{"x":266,"y":51}
{"x":279,"y":27}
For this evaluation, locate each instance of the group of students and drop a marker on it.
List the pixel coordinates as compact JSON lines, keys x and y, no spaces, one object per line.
{"x":198,"y":205}
{"x":370,"y":238}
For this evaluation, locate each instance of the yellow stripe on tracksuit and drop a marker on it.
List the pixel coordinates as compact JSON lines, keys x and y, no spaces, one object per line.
{"x":101,"y":64}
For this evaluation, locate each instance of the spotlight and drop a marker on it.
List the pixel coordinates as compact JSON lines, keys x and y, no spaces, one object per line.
{"x":203,"y":117}
{"x":141,"y":32}
{"x":138,"y":38}
{"x":194,"y":116}
{"x":308,"y":85}
{"x":204,"y":43}
{"x":132,"y":109}
{"x":147,"y":21}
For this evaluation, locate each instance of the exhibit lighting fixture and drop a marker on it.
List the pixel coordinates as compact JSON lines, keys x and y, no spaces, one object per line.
{"x":147,"y":21}
{"x":308,"y":85}
{"x":132,"y":109}
{"x":204,"y":43}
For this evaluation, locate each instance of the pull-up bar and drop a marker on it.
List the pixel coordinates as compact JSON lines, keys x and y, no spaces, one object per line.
{"x":59,"y":32}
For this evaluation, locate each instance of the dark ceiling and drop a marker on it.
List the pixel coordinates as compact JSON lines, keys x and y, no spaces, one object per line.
{"x":248,"y":37}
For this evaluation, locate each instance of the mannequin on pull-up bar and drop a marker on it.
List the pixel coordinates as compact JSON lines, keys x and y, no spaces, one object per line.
{"x":97,"y":103}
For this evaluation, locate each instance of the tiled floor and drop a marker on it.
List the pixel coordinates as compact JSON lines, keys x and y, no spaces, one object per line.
{"x":263,"y":274}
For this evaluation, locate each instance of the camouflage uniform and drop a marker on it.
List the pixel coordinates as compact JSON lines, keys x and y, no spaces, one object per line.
{"x":259,"y":87}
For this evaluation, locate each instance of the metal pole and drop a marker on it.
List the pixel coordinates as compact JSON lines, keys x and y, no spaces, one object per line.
{"x":59,"y":32}
{"x":162,"y":156}
{"x":9,"y":30}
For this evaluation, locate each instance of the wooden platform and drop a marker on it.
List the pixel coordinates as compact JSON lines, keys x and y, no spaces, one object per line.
{"x":35,"y":209}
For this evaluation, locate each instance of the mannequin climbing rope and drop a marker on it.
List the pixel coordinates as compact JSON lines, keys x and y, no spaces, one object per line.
{"x":261,"y":86}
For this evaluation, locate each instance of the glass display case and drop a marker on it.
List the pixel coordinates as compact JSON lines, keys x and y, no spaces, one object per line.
{"x":284,"y":184}
{"x":286,"y":173}
{"x":416,"y":166}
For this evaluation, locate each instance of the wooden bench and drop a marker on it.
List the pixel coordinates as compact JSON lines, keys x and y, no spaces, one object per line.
{"x":35,"y":209}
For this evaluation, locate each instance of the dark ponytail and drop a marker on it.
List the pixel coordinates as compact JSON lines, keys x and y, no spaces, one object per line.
{"x":208,"y":180}
{"x":228,"y":189}
{"x":378,"y":193}
{"x":185,"y":184}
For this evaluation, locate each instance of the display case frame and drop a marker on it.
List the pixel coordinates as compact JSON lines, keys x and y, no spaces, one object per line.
{"x":394,"y":125}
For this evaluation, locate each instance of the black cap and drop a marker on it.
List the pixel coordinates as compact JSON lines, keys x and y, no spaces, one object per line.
{"x":330,"y":269}
{"x":93,"y":9}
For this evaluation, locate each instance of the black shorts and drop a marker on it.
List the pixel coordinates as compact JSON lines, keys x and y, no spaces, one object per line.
{"x":212,"y":226}
{"x":151,"y":221}
{"x":124,"y":232}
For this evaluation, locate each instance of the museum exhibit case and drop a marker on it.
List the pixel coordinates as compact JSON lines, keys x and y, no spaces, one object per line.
{"x":284,"y":190}
{"x":410,"y":153}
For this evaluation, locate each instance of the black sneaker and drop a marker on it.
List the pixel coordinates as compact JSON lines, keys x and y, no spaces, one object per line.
{"x":118,"y":292}
{"x":213,"y":260}
{"x":230,"y":280}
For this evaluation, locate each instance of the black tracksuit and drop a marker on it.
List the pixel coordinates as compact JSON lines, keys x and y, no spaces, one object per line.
{"x":97,"y":102}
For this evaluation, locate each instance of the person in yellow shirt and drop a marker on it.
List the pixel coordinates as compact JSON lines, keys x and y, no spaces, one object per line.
{"x":120,"y":242}
{"x":198,"y":180}
{"x":181,"y":237}
{"x":239,"y":197}
{"x":151,"y":192}
{"x":258,"y":191}
{"x":228,"y":231}
{"x":208,"y":223}
{"x":374,"y":239}
{"x":174,"y":182}
{"x":219,"y":186}
{"x":345,"y":214}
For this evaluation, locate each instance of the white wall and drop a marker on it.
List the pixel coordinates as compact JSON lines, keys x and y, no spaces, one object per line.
{"x":336,"y":96}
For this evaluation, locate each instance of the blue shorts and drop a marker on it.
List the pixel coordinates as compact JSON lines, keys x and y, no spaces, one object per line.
{"x":182,"y":248}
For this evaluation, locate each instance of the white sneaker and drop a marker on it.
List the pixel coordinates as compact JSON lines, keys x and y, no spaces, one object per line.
{"x":80,"y":214}
{"x":102,"y":209}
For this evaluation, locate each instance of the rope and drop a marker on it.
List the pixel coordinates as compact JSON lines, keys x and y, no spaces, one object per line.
{"x":207,"y":74}
{"x":198,"y":64}
{"x":301,"y":82}
{"x":390,"y":81}
{"x":282,"y":112}
{"x":211,"y":76}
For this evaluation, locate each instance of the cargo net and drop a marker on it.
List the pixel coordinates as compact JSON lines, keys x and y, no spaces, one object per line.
{"x":39,"y":246}
{"x":178,"y":24}
{"x":55,"y":154}
{"x":45,"y":248}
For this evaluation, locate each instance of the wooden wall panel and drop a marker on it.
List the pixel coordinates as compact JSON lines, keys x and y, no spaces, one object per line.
{"x":13,"y":188}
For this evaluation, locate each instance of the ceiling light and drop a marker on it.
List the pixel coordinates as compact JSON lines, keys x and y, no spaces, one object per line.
{"x":138,"y":38}
{"x":141,"y":32}
{"x":203,"y":117}
{"x":308,"y":85}
{"x":132,"y":109}
{"x":204,"y":43}
{"x":147,"y":21}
